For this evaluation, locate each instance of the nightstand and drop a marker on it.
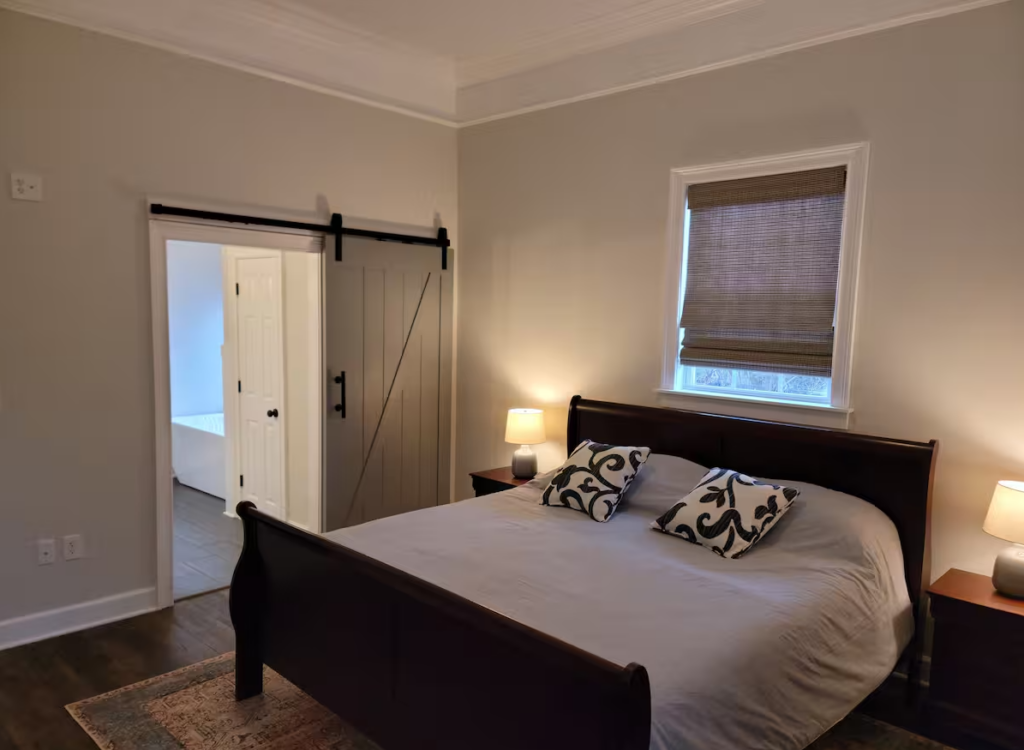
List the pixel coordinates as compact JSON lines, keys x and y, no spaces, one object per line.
{"x":977,"y":670}
{"x":494,"y":480}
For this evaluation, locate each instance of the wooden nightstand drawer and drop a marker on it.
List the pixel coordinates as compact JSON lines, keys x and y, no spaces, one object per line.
{"x":977,"y":662}
{"x":977,"y":670}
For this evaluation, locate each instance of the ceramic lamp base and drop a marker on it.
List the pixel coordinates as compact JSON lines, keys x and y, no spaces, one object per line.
{"x":524,"y":463}
{"x":1008,"y":576}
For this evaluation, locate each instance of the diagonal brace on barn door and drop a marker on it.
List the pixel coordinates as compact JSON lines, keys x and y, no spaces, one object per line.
{"x":385,"y":411}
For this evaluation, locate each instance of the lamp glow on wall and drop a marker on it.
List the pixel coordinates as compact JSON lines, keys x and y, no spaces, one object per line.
{"x":1005,"y":521}
{"x":525,"y":427}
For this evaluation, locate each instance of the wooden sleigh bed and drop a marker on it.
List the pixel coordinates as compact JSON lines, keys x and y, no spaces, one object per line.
{"x":413,"y":665}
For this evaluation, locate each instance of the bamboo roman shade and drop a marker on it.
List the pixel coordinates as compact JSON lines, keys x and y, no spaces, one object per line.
{"x":762,"y":269}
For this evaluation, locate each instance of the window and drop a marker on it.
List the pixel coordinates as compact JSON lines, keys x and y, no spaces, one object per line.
{"x":764,"y":279}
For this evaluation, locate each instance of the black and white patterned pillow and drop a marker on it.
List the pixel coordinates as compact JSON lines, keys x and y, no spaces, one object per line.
{"x":727,"y":512}
{"x":594,"y":478}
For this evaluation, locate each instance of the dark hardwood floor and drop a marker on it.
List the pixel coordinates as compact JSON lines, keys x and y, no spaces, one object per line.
{"x":38,"y":680}
{"x":206,"y":543}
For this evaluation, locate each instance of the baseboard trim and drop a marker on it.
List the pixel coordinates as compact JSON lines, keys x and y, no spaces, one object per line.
{"x":42,"y":625}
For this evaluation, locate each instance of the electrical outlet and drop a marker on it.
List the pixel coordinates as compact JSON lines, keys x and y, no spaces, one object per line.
{"x":73,"y":547}
{"x":26,"y":187}
{"x":47,"y":550}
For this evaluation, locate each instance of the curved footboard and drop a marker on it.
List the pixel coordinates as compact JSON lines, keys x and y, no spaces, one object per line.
{"x":415,"y":666}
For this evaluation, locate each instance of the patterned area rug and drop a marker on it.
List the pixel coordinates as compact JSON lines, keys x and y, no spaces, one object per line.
{"x":194,"y":708}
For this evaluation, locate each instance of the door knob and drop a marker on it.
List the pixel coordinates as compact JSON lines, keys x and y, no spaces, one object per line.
{"x":272,"y":413}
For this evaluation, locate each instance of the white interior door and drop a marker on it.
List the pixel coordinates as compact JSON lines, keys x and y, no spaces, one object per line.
{"x":260,"y":369}
{"x":386,"y":436}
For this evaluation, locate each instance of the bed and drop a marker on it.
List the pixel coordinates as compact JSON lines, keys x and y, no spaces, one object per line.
{"x":198,"y":452}
{"x":502,"y":624}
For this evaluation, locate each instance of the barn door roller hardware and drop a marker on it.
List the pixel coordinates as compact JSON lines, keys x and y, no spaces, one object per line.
{"x":336,"y":228}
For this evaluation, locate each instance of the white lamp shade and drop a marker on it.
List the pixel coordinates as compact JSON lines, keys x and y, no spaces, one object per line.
{"x":525,"y":427}
{"x":1005,"y":518}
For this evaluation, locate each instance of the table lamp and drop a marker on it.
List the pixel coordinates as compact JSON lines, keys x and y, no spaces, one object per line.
{"x":525,"y":427}
{"x":1005,"y":520}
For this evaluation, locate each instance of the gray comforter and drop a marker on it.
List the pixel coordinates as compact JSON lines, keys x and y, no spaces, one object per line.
{"x":767,"y":651}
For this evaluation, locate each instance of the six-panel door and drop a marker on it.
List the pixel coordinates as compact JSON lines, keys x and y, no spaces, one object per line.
{"x":260,"y":372}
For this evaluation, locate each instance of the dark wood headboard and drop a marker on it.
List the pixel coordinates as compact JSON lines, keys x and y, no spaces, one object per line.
{"x":894,"y":475}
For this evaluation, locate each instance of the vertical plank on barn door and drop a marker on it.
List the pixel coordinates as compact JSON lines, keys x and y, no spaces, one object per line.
{"x":390,"y":437}
{"x":428,"y":382}
{"x":344,"y":447}
{"x":376,"y":379}
{"x":411,"y":396}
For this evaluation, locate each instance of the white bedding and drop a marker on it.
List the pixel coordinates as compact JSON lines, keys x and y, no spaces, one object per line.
{"x":767,"y":651}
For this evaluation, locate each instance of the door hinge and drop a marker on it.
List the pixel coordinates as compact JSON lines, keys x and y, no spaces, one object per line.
{"x":241,"y":480}
{"x":236,"y":289}
{"x":239,"y":386}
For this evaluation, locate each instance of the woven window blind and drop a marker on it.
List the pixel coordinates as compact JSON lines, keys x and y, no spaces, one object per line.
{"x":762,"y":270}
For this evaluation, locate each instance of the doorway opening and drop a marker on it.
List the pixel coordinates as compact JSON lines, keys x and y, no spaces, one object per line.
{"x":207,"y":541}
{"x":239,"y":414}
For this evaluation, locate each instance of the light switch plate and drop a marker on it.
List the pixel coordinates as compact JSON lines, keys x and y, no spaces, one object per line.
{"x":26,"y":187}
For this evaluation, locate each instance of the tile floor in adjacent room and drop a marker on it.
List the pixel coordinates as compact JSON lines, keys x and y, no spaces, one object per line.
{"x":206,"y":543}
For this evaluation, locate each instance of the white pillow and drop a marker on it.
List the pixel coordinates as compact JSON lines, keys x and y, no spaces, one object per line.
{"x":594,"y":478}
{"x":727,"y":512}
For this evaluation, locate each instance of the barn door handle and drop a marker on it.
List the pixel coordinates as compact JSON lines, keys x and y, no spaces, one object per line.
{"x":272,"y":413}
{"x":340,"y":407}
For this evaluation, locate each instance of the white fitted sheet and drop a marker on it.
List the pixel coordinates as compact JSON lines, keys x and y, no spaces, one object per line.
{"x":767,"y":651}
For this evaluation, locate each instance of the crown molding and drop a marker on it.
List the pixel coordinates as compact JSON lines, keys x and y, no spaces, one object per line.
{"x":733,"y":40}
{"x":608,"y":30}
{"x":276,"y":40}
{"x":653,"y":42}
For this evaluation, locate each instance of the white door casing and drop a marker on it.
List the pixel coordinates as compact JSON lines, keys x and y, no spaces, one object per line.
{"x":258,"y":348}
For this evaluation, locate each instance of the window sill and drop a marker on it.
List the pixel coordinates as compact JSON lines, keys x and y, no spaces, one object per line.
{"x":752,"y":407}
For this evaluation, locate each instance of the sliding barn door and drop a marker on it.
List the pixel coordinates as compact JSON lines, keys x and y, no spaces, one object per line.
{"x":388,"y":365}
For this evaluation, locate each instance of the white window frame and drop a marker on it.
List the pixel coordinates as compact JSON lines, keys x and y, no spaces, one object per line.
{"x":835,"y":414}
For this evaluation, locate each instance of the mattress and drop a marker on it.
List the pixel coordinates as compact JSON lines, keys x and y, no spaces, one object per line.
{"x":766,"y":651}
{"x":213,"y":423}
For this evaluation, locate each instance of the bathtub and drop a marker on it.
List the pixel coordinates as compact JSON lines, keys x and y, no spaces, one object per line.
{"x":199,"y":452}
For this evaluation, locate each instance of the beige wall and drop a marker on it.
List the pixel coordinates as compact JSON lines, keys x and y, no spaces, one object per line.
{"x":563,"y":244}
{"x":105,"y":122}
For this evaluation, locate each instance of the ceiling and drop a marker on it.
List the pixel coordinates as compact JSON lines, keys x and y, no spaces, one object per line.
{"x":466,"y":61}
{"x":473,"y":31}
